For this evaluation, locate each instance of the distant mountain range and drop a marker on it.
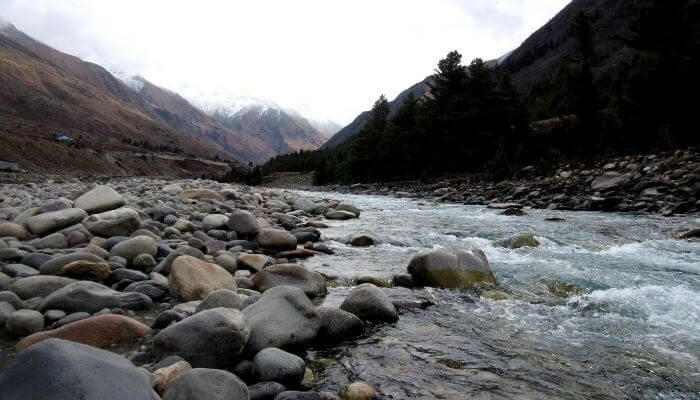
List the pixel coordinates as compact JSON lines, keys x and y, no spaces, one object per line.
{"x":46,"y":92}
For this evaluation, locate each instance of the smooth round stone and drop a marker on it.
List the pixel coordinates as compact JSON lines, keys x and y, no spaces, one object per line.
{"x":368,"y":302}
{"x":220,"y":298}
{"x":24,"y":322}
{"x":265,"y":390}
{"x":273,"y":364}
{"x":52,"y":316}
{"x":19,"y":270}
{"x":204,"y":383}
{"x":35,"y":260}
{"x":71,"y":318}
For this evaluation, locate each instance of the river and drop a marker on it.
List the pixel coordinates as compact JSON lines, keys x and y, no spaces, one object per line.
{"x":630,"y":328}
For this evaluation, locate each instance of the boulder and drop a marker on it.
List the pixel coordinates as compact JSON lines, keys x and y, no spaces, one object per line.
{"x":337,"y":324}
{"x":608,"y":181}
{"x":211,"y":338}
{"x":119,"y":222}
{"x":86,"y":270}
{"x":200,"y":193}
{"x":340,"y":215}
{"x":43,"y":224}
{"x":283,"y":317}
{"x":55,"y":265}
{"x":348,"y":208}
{"x":161,"y":378}
{"x":362,"y":241}
{"x":132,"y":247}
{"x":276,"y":239}
{"x":24,"y":322}
{"x":370,"y":303}
{"x":214,"y":221}
{"x":193,"y":279}
{"x":220,"y":298}
{"x":275,"y":365}
{"x":244,"y":224}
{"x":163,"y":267}
{"x":357,"y":391}
{"x":451,"y":267}
{"x":53,"y":241}
{"x":253,"y":262}
{"x":523,"y":241}
{"x":98,"y":331}
{"x":305,"y":205}
{"x":92,"y":297}
{"x":13,"y":230}
{"x":209,"y":384}
{"x":18,"y":270}
{"x":312,"y":283}
{"x":101,"y":198}
{"x":39,"y":285}
{"x":57,"y":369}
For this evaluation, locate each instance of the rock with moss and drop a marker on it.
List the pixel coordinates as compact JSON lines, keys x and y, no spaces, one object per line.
{"x":451,"y":267}
{"x":523,"y":241}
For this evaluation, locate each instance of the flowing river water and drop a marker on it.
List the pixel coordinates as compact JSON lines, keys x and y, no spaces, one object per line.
{"x":607,"y":307}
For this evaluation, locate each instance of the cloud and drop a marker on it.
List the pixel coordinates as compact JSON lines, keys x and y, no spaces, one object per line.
{"x":327,"y":59}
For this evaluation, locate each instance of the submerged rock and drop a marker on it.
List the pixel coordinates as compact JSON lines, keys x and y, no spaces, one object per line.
{"x":523,"y":241}
{"x":370,"y":303}
{"x":451,"y":267}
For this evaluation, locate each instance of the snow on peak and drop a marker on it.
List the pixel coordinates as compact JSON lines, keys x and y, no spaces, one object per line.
{"x":231,"y":106}
{"x":4,"y":23}
{"x":135,"y":82}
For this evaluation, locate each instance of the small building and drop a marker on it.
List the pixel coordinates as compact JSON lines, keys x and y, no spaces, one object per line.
{"x":64,"y":139}
{"x":8,"y":166}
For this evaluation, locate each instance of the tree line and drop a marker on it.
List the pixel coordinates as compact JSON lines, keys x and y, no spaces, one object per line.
{"x":476,"y":120}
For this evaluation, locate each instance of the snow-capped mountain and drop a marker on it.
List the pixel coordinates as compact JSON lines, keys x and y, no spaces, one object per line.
{"x":326,"y":126}
{"x":284,"y":130}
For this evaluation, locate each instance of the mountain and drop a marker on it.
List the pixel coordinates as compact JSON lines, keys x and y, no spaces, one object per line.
{"x":46,"y":92}
{"x":420,"y":89}
{"x":536,"y":64}
{"x":282,"y":130}
{"x":326,"y":126}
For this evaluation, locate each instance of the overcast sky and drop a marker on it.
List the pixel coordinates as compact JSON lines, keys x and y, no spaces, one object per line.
{"x":324,"y":58}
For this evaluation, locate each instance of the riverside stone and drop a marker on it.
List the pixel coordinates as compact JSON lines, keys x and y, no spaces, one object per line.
{"x":119,"y":222}
{"x":337,"y":324}
{"x":54,"y":241}
{"x":86,"y":270}
{"x":38,"y":285}
{"x":24,"y":322}
{"x":64,"y":370}
{"x":92,"y":297}
{"x":193,"y":279}
{"x":209,"y":384}
{"x":98,"y":331}
{"x":211,"y":338}
{"x":14,"y":230}
{"x":357,"y":391}
{"x":312,"y":283}
{"x":55,"y":265}
{"x":43,"y":224}
{"x":132,"y":247}
{"x":214,"y":221}
{"x":201,"y":193}
{"x":451,"y":267}
{"x":368,"y":302}
{"x":161,"y":377}
{"x":220,"y":298}
{"x":101,"y":198}
{"x":275,"y":239}
{"x":273,"y":364}
{"x":19,"y":270}
{"x":244,"y":224}
{"x":340,"y":215}
{"x":282,"y":317}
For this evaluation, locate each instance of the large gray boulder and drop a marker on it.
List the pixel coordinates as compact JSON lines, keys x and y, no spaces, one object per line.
{"x":119,"y":222}
{"x":244,"y":224}
{"x":101,"y":198}
{"x":276,"y":365}
{"x":57,"y":369}
{"x":92,"y":297}
{"x":283,"y":317}
{"x":211,"y":338}
{"x":209,"y":384}
{"x":134,"y":246}
{"x":337,"y":324}
{"x":38,"y":285}
{"x":608,"y":181}
{"x":370,"y":303}
{"x":46,"y":223}
{"x":276,"y":239}
{"x":55,"y":265}
{"x":453,"y":266}
{"x":312,"y":283}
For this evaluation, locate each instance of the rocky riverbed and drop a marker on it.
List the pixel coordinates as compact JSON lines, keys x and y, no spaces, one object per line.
{"x":143,"y":289}
{"x":664,"y":183}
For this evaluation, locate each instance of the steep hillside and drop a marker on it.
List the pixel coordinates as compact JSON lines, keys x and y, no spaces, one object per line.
{"x":420,"y":89}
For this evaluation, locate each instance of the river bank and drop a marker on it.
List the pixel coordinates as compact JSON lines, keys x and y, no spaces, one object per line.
{"x":664,"y":183}
{"x":264,"y":293}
